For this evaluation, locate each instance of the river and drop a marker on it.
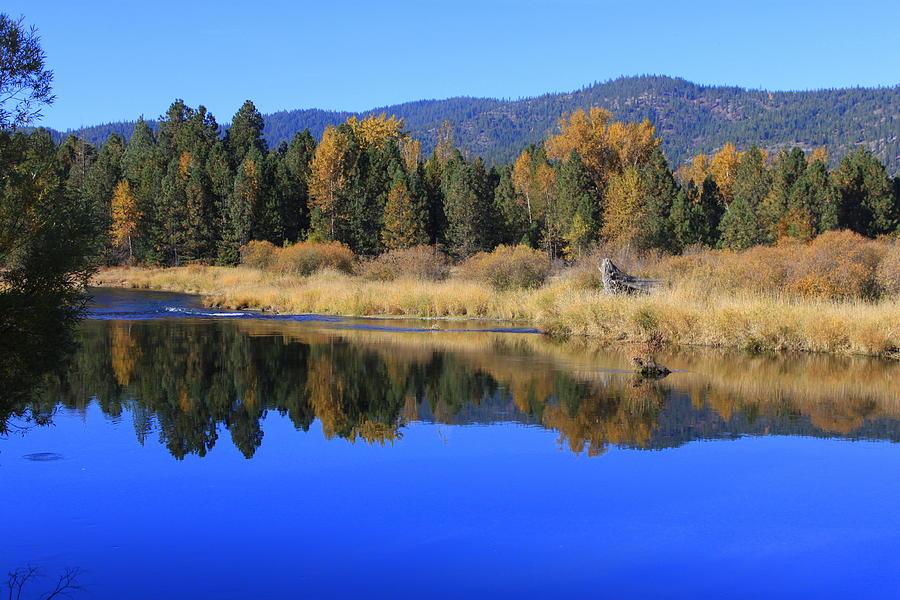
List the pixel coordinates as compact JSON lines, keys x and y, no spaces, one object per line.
{"x":198,"y":453}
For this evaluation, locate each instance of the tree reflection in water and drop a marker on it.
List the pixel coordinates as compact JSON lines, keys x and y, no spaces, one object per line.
{"x":188,"y":381}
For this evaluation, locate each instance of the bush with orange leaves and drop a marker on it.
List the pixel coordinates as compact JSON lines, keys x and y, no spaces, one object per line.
{"x":508,"y":267}
{"x":303,"y":258}
{"x":424,"y":263}
{"x":837,"y":265}
{"x":258,"y":254}
{"x":888,"y":273}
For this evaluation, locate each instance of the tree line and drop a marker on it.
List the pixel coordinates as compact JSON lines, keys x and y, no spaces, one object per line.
{"x":187,"y":193}
{"x":694,"y":118}
{"x":365,"y":391}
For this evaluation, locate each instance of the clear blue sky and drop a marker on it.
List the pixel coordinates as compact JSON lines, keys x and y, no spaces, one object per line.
{"x":116,"y":60}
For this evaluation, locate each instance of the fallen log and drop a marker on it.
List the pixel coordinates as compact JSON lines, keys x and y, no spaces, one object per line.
{"x":616,"y":281}
{"x":649,"y":368}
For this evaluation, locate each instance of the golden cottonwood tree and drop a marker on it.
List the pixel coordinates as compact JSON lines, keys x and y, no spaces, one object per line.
{"x":443,"y":150}
{"x":723,"y":168}
{"x":327,"y":177}
{"x":624,"y":205}
{"x":819,"y":153}
{"x":410,"y":151}
{"x":376,"y":130}
{"x":696,"y":171}
{"x":605,"y":147}
{"x":125,"y":216}
{"x":521,"y":180}
{"x":404,"y":221}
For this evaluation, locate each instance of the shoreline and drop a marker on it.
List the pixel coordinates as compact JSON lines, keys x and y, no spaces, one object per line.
{"x":561,"y":309}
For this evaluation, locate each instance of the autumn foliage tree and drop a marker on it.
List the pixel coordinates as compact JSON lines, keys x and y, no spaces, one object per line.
{"x":605,"y":147}
{"x":125,"y":216}
{"x":404,"y":219}
{"x":326,"y":180}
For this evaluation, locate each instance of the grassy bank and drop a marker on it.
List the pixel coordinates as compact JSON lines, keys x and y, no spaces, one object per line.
{"x":683,"y":313}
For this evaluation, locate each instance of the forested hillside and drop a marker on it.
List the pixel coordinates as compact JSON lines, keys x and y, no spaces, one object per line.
{"x":690,"y":118}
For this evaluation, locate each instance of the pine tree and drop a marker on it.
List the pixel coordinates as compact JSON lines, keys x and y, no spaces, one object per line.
{"x":777,"y":215}
{"x":242,"y":209}
{"x":245,"y":133}
{"x":696,"y":214}
{"x":290,"y":187}
{"x":814,"y":203}
{"x":466,"y":208}
{"x":200,"y":217}
{"x":658,"y":190}
{"x":742,"y":223}
{"x":867,"y":203}
{"x":579,"y":205}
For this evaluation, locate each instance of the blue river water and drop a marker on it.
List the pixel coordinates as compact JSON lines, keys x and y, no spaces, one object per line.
{"x":219,"y":454}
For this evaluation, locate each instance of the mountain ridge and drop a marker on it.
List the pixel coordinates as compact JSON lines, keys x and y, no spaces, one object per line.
{"x":690,"y":118}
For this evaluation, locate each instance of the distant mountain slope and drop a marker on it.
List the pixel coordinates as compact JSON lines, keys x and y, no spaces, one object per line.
{"x":690,"y":118}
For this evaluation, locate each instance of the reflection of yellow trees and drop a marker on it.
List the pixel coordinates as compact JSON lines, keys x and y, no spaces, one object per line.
{"x":626,"y":418}
{"x":836,"y":393}
{"x":372,"y":432}
{"x":325,"y":395}
{"x":364,"y":385}
{"x":124,"y":351}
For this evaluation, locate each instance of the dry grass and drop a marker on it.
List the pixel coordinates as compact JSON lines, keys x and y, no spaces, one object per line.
{"x":835,"y":295}
{"x":680,"y":314}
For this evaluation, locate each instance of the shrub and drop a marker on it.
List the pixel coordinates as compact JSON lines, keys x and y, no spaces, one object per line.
{"x":508,"y":267}
{"x":837,"y":265}
{"x":888,"y":273}
{"x":419,"y":262}
{"x":305,"y":258}
{"x":257,"y":254}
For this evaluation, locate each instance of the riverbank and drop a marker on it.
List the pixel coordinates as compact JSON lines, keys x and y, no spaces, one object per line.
{"x":680,"y":314}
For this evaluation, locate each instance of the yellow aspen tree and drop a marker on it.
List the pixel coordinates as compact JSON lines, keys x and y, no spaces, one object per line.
{"x":819,"y":153}
{"x":696,"y":171}
{"x":586,"y":134}
{"x":326,"y":175}
{"x":543,"y":184}
{"x":444,"y":148}
{"x":376,"y":130}
{"x":605,"y":147}
{"x":404,"y":221}
{"x":125,"y":216}
{"x":723,"y":168}
{"x":577,"y":237}
{"x":410,"y":152}
{"x":632,"y":143}
{"x":623,"y":209}
{"x":521,"y":180}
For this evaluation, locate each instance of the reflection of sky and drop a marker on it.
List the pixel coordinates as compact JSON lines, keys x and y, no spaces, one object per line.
{"x":450,"y":512}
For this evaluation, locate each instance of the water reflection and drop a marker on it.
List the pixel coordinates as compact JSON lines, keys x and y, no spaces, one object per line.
{"x":190,"y":381}
{"x":35,"y":343}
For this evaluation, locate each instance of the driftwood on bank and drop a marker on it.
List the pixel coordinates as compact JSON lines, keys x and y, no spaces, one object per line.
{"x":616,"y":281}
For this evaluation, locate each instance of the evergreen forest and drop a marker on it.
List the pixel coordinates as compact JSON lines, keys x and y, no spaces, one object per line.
{"x":188,"y":191}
